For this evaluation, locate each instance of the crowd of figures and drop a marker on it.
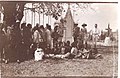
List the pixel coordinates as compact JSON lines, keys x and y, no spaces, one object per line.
{"x":22,"y":42}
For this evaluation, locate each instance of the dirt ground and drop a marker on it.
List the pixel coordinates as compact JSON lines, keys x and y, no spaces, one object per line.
{"x":69,"y":67}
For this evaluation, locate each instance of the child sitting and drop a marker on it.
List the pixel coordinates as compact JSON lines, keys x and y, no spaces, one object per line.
{"x":68,"y":47}
{"x":48,"y":50}
{"x":56,"y":49}
{"x":62,"y":48}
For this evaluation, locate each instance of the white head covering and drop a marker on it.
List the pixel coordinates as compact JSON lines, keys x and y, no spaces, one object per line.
{"x":17,"y":21}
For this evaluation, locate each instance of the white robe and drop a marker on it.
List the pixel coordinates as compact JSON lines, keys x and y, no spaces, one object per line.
{"x":38,"y":54}
{"x":107,"y":41}
{"x":95,"y":35}
{"x":37,"y":37}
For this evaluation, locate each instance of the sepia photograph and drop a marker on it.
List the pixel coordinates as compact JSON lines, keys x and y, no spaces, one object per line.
{"x":58,"y":39}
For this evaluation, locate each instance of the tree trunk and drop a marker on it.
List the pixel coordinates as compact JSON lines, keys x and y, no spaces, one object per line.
{"x":11,"y":14}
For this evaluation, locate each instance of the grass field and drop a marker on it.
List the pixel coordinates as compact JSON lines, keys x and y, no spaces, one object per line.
{"x":69,"y":67}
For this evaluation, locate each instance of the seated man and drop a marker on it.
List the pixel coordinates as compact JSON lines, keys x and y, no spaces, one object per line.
{"x":39,"y":53}
{"x":48,"y":50}
{"x":90,"y":53}
{"x":67,"y":47}
{"x":56,"y":49}
{"x":74,"y":50}
{"x":93,"y":54}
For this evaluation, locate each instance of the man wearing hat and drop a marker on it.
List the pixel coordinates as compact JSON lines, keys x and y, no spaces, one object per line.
{"x":75,"y":25}
{"x":84,"y":35}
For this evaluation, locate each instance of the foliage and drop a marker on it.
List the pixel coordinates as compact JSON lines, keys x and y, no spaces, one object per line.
{"x":52,"y":9}
{"x":14,"y":10}
{"x":55,"y":9}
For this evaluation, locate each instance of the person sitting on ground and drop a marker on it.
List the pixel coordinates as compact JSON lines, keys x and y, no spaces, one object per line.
{"x":90,"y":53}
{"x":68,"y":47}
{"x":83,"y":51}
{"x":48,"y":50}
{"x":62,"y":48}
{"x":63,"y":52}
{"x":39,"y":53}
{"x":66,"y":50}
{"x":60,"y":43}
{"x":55,"y":49}
{"x":93,"y":53}
{"x":74,"y":50}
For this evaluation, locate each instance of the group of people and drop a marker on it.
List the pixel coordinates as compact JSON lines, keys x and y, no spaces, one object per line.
{"x":77,"y":49}
{"x":82,"y":35}
{"x":18,"y":42}
{"x":15,"y":41}
{"x":63,"y":50}
{"x":22,"y":42}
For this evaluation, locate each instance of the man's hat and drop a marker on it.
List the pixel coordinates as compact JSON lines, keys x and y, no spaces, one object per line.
{"x":75,"y":24}
{"x":83,"y":25}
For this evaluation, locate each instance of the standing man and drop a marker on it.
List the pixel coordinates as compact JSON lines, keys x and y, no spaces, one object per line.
{"x":109,"y":30}
{"x":84,"y":35}
{"x":16,"y":42}
{"x":55,"y":35}
{"x":48,"y":35}
{"x":76,"y":31}
{"x":95,"y":34}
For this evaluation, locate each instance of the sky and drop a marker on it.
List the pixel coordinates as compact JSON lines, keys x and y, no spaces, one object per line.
{"x":103,"y":14}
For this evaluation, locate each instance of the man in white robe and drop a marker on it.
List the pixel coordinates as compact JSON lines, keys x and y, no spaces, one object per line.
{"x":95,"y":34}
